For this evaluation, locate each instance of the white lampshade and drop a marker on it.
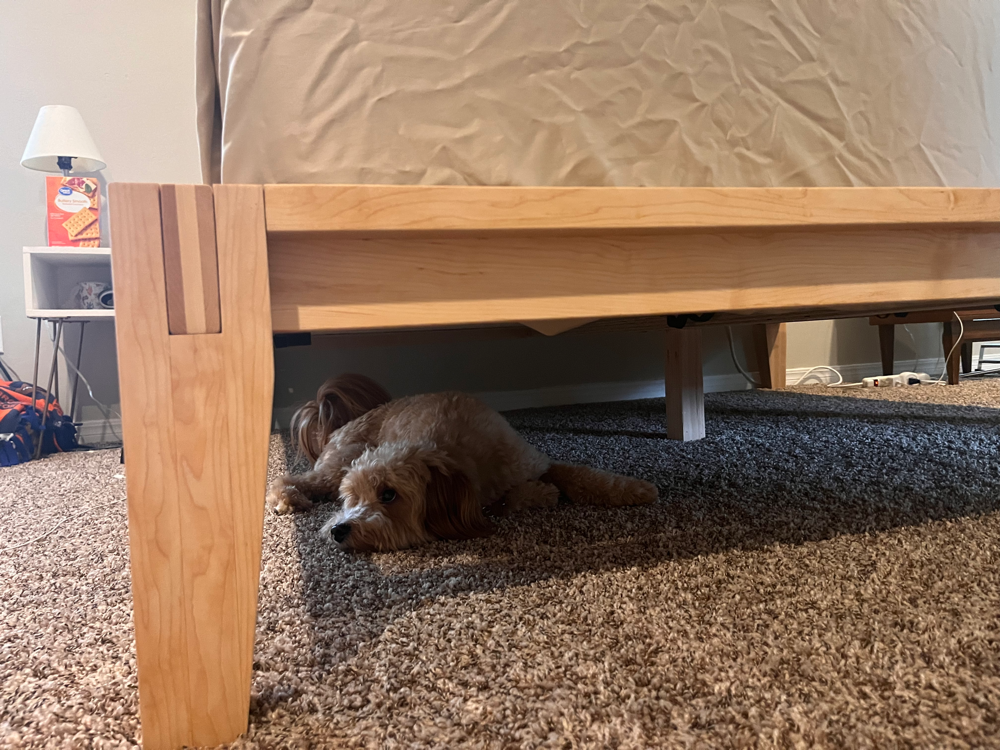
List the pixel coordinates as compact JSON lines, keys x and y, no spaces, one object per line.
{"x":60,"y":131}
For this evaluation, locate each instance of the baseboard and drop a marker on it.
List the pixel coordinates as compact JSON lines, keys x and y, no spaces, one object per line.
{"x":96,"y":431}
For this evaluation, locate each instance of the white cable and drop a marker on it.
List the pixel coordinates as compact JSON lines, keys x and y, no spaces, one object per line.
{"x":105,"y":410}
{"x":947,"y":359}
{"x":806,"y":374}
{"x":55,"y":527}
{"x":732,"y":352}
{"x":839,"y":384}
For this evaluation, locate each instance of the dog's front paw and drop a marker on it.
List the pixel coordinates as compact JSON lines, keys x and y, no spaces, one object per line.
{"x":284,"y":498}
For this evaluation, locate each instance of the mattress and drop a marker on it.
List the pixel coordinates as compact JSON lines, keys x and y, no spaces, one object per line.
{"x":600,"y":92}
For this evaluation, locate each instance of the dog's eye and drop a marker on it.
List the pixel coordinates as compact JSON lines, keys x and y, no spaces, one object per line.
{"x":388,"y":495}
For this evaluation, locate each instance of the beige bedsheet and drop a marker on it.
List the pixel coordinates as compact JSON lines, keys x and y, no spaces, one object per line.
{"x":612,"y":92}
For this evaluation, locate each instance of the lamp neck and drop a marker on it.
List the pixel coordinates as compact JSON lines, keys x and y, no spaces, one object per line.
{"x":65,"y":163}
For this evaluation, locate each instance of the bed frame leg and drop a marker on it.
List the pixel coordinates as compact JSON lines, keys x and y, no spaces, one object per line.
{"x":770,"y":342}
{"x":196,"y":370}
{"x":684,"y":381}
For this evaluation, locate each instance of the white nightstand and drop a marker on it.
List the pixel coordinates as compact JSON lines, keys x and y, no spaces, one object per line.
{"x":50,"y":274}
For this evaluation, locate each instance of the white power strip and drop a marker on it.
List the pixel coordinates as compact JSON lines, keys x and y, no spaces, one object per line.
{"x":897,"y":381}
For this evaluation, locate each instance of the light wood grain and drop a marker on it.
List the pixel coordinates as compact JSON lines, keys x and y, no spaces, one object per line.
{"x":684,"y":384}
{"x":770,"y":344}
{"x":248,"y":369}
{"x":324,"y":282}
{"x":982,"y":330}
{"x":189,"y":259}
{"x":196,"y":413}
{"x":406,"y":208}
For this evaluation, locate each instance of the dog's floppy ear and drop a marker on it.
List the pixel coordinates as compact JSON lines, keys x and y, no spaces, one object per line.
{"x":452,"y":508}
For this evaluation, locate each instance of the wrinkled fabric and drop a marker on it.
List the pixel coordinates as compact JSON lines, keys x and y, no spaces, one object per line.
{"x":600,"y":92}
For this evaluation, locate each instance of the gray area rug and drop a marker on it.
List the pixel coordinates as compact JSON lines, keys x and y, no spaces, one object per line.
{"x":821,"y":571}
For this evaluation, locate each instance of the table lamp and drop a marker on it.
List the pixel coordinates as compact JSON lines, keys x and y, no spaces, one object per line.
{"x":60,"y":141}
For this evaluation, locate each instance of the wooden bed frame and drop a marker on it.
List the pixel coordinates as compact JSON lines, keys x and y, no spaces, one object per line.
{"x":204,"y":276}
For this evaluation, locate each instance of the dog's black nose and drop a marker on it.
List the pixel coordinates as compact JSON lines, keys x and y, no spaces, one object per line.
{"x":341,"y":531}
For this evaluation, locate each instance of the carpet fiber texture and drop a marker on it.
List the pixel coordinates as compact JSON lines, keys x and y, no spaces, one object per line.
{"x":823,"y":570}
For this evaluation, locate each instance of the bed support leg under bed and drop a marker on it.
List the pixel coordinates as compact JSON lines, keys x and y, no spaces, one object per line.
{"x":196,"y":370}
{"x":684,"y":384}
{"x":684,"y":381}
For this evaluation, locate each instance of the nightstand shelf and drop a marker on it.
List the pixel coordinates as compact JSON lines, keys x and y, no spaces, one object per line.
{"x":50,"y":274}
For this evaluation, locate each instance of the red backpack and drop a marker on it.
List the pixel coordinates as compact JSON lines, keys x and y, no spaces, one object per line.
{"x":21,"y":424}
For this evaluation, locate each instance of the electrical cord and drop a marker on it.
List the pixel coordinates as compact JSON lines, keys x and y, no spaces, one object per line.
{"x":840,"y":378}
{"x":841,"y":384}
{"x":947,"y":359}
{"x":732,"y":352}
{"x":105,"y":410}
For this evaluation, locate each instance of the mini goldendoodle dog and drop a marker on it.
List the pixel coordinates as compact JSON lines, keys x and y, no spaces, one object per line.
{"x":426,"y":467}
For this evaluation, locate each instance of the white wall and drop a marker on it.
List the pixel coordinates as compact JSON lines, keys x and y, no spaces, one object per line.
{"x":129,"y":68}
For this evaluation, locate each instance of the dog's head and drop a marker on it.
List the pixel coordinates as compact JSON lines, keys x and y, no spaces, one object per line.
{"x":399,"y":495}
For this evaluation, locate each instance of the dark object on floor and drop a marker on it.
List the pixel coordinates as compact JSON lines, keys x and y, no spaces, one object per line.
{"x":27,"y":415}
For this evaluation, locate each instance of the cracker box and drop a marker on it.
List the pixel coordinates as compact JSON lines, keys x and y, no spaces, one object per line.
{"x":74,"y":209}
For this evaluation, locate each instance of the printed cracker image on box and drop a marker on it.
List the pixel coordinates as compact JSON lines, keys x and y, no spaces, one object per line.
{"x":74,"y":209}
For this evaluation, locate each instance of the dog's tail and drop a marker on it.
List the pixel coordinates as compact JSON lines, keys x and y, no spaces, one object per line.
{"x":338,"y":401}
{"x":586,"y":486}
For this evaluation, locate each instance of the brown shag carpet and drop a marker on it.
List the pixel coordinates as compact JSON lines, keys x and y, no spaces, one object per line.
{"x":821,"y":571}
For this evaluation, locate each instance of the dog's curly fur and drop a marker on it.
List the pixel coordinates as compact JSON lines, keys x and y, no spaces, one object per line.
{"x":426,"y":467}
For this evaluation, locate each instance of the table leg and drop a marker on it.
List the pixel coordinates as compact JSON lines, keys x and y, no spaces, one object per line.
{"x":48,"y":387}
{"x":34,"y":376}
{"x":770,"y":342}
{"x":949,"y":336}
{"x":966,"y":350}
{"x":887,"y":344}
{"x":76,"y":372}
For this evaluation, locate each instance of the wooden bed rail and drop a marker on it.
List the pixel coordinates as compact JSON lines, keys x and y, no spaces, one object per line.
{"x":369,"y":257}
{"x":368,"y":209}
